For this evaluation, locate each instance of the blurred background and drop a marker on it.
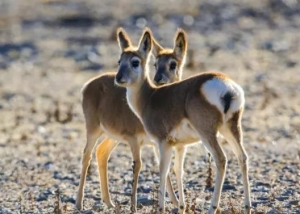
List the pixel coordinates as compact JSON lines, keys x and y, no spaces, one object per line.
{"x":50,"y":48}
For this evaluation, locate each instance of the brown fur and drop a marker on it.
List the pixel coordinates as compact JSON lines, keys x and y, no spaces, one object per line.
{"x":101,"y":94}
{"x":187,"y":93}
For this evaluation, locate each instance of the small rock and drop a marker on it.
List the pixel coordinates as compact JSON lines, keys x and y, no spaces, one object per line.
{"x":255,"y":203}
{"x":261,"y":189}
{"x":228,"y":187}
{"x":95,"y":197}
{"x":97,"y":208}
{"x":141,"y":22}
{"x":295,"y":202}
{"x":42,"y":197}
{"x":262,"y":198}
{"x":272,"y":211}
{"x":262,"y":184}
{"x":48,"y":165}
{"x":291,"y":64}
{"x":225,"y":187}
{"x":124,"y":202}
{"x":282,"y":198}
{"x":145,"y":200}
{"x":146,"y":189}
{"x":288,"y":192}
{"x":87,"y":212}
{"x":69,"y":200}
{"x":188,"y":20}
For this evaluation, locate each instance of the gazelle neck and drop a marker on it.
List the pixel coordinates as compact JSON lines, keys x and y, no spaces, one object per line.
{"x":138,"y":94}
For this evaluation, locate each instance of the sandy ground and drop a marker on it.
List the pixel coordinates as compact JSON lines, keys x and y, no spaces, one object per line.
{"x":49,"y":48}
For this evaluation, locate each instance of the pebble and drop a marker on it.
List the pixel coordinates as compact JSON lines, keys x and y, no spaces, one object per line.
{"x":145,"y":200}
{"x":225,"y":187}
{"x":146,"y":188}
{"x":42,"y":197}
{"x":69,"y":200}
{"x":262,"y":184}
{"x":282,"y":198}
{"x":295,"y":202}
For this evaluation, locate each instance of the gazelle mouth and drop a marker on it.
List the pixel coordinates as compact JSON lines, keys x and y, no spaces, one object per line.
{"x":121,"y":83}
{"x":160,"y":83}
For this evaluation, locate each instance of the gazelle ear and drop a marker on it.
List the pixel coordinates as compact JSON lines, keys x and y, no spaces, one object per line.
{"x":180,"y":44}
{"x":145,"y":44}
{"x":156,"y":48}
{"x":123,"y":39}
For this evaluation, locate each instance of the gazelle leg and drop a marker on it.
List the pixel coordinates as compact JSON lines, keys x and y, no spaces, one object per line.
{"x":211,"y":143}
{"x":103,"y":153}
{"x":234,"y":135}
{"x":90,"y":144}
{"x":170,"y":188}
{"x":137,"y":165}
{"x":164,"y":166}
{"x":179,"y":162}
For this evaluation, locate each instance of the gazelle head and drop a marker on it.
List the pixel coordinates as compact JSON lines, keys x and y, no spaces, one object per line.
{"x":169,"y":62}
{"x":133,"y":62}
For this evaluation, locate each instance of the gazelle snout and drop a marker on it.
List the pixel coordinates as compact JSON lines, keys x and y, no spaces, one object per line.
{"x":122,"y":77}
{"x":157,"y":78}
{"x":160,"y":77}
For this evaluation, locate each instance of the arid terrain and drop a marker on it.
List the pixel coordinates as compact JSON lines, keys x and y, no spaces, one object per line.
{"x":50,"y":48}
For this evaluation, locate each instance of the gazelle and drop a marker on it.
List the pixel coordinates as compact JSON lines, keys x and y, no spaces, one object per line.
{"x":107,"y":113}
{"x":176,"y":114}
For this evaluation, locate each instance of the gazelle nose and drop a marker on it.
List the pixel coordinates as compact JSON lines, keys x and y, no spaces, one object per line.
{"x":158,"y":78}
{"x":119,"y":77}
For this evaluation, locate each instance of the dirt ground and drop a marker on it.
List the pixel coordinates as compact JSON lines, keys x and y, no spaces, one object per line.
{"x":50,"y":48}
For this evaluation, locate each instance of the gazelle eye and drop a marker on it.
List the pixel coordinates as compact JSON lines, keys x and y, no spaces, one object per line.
{"x":135,"y":63}
{"x":119,"y":62}
{"x":173,"y":66}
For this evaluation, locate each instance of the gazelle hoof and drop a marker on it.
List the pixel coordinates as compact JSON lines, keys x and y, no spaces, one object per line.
{"x":247,"y":209}
{"x":213,"y":210}
{"x":79,"y":206}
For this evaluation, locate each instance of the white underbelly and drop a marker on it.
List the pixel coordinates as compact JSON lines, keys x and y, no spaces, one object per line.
{"x":145,"y":140}
{"x":112,"y":135}
{"x":184,"y":133}
{"x":142,"y":138}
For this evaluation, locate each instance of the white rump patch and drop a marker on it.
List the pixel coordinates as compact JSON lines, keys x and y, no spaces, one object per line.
{"x":214,"y":91}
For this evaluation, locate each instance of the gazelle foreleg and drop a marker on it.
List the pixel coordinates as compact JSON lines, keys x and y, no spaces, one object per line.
{"x":103,"y":152}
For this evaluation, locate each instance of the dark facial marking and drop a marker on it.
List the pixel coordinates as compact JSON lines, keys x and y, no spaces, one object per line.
{"x":135,"y":63}
{"x":173,"y":66}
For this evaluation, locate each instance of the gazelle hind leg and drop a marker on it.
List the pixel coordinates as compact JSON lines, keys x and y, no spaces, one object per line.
{"x":211,"y":143}
{"x":170,"y":189}
{"x":234,"y":135}
{"x":178,"y":167}
{"x":164,"y":167}
{"x":103,"y":152}
{"x":92,"y":138}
